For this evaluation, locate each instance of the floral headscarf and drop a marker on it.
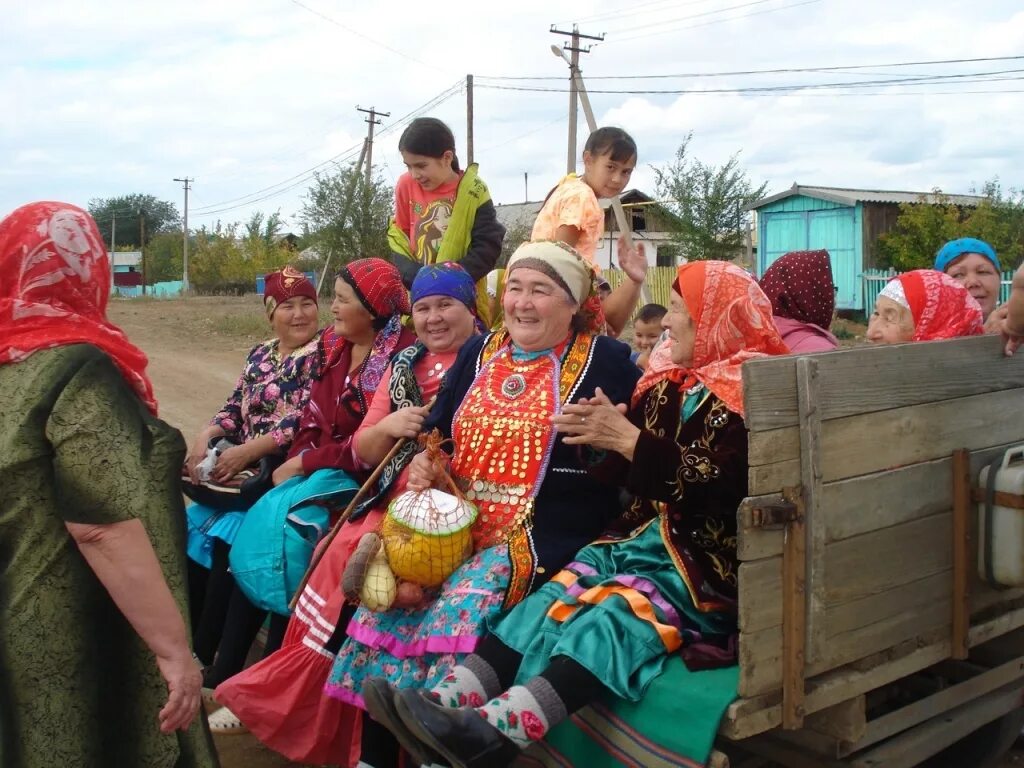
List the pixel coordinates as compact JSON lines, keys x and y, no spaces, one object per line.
{"x":940,"y":306}
{"x":799,"y":286}
{"x":54,"y":290}
{"x":732,"y":324}
{"x":286,"y":284}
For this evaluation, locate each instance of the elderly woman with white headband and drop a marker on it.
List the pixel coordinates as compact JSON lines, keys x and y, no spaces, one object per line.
{"x":537,"y":503}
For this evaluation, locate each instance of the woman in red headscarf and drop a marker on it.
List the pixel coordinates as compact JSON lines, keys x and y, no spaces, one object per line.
{"x":924,"y":305}
{"x":94,"y":652}
{"x":799,"y":286}
{"x":664,"y":584}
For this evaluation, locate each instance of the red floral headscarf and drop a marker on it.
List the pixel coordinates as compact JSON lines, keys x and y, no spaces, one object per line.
{"x":799,"y":286}
{"x":940,"y":306}
{"x":54,"y":285}
{"x":733,"y":324}
{"x":279,"y":287}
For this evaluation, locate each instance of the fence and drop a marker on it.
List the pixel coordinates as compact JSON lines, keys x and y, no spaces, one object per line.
{"x":167,"y":290}
{"x":659,"y":282}
{"x":874,"y":281}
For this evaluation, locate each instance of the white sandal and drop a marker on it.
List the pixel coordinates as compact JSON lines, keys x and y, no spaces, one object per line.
{"x":224,"y":721}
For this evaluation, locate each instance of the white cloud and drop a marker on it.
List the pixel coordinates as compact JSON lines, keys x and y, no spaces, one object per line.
{"x":242,"y":95}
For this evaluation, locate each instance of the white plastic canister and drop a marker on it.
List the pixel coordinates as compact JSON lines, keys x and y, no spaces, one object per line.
{"x":1001,"y":529}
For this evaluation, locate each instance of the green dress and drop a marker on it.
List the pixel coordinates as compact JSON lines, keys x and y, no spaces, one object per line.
{"x":78,"y":687}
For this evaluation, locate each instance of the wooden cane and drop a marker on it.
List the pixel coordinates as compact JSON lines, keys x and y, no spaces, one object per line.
{"x":347,"y":513}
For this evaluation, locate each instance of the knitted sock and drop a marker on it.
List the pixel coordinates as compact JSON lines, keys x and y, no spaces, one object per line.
{"x":470,"y":684}
{"x":525,"y":713}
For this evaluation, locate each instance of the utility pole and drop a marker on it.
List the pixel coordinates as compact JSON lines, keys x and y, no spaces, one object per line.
{"x":469,"y":120}
{"x":371,"y":121}
{"x":142,"y":247}
{"x":113,"y":229}
{"x":184,"y":258}
{"x":526,"y":186}
{"x":574,"y":70}
{"x":349,"y":197}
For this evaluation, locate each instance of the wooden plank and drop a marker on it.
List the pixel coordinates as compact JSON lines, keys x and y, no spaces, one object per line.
{"x":932,"y":706}
{"x":860,"y":445}
{"x":863,"y":504}
{"x":872,"y":577}
{"x":905,"y":598}
{"x":961,"y":544}
{"x":982,"y":633}
{"x":813,"y":576}
{"x":750,"y":716}
{"x":877,"y":378}
{"x":846,"y":721}
{"x":760,"y":660}
{"x":878,"y":561}
{"x":794,"y":616}
{"x":912,"y":747}
{"x":760,"y":594}
{"x":752,"y":542}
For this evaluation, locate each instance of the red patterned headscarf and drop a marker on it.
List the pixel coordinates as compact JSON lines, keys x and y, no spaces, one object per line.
{"x":286,"y":284}
{"x":733,"y":324}
{"x":378,"y":285}
{"x":940,"y":306}
{"x":54,"y":285}
{"x":799,"y":286}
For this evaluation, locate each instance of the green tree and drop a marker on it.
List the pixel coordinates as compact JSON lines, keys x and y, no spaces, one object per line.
{"x":515,"y":235}
{"x":163,"y":257}
{"x":123,"y":213}
{"x":923,"y":227}
{"x":345,"y":217}
{"x":709,"y":203}
{"x":222,"y":260}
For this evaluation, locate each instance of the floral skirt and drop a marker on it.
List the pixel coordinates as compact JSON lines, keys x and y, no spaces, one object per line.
{"x":416,"y":648}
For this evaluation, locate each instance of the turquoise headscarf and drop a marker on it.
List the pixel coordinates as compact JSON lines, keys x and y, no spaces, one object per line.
{"x":954,"y":249}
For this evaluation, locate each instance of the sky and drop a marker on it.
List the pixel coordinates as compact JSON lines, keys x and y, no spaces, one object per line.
{"x":250,"y":97}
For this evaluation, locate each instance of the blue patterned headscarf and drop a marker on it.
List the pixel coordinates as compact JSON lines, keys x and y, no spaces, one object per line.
{"x":954,"y":249}
{"x":445,"y":279}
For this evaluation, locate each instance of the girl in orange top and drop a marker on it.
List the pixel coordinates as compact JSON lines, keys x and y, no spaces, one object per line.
{"x":572,"y":215}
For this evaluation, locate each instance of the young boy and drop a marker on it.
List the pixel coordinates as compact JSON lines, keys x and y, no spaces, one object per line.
{"x":646,"y":332}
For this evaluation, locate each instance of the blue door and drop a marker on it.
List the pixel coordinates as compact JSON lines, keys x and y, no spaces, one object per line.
{"x":834,"y":231}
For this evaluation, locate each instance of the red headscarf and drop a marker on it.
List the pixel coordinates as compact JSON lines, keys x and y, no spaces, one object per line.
{"x":940,"y":306}
{"x":54,"y":289}
{"x":279,"y":287}
{"x":799,"y":286}
{"x":378,"y":286}
{"x":732,"y":324}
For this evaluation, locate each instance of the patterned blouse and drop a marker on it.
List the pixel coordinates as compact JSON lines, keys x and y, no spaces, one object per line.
{"x":270,"y":393}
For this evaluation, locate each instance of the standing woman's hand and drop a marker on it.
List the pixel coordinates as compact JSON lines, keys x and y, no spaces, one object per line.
{"x":184,"y":681}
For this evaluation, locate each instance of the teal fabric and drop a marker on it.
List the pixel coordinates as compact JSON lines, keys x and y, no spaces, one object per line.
{"x":624,"y":652}
{"x":275,"y":542}
{"x":673,"y":725}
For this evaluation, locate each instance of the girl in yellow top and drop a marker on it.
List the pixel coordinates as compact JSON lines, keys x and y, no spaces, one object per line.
{"x":572,"y":215}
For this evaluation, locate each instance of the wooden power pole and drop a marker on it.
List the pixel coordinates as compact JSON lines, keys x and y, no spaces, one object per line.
{"x":371,"y":121}
{"x":469,"y":120}
{"x":574,"y":68}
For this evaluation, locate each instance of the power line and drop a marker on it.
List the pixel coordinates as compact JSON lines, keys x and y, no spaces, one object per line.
{"x":710,"y":23}
{"x":687,"y":18}
{"x":306,"y":175}
{"x":367,"y":38}
{"x":921,"y":80}
{"x":633,"y":10}
{"x":778,"y":71}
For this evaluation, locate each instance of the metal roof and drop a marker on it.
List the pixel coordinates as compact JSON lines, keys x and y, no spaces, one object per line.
{"x":846,"y":196}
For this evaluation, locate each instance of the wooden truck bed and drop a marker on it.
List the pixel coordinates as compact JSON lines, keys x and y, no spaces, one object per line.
{"x":857,"y":547}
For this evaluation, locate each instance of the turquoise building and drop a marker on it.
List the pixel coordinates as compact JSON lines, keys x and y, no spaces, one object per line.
{"x":845,"y":222}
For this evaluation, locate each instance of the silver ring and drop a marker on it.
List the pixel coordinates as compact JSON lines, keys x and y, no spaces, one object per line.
{"x":583,"y":419}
